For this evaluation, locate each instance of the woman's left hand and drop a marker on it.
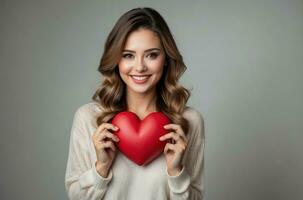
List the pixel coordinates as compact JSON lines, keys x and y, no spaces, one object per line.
{"x":174,"y":150}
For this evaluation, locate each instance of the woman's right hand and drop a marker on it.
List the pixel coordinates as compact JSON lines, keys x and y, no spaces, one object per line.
{"x":105,"y":148}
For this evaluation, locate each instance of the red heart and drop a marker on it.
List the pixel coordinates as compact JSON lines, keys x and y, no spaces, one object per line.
{"x":139,"y":140}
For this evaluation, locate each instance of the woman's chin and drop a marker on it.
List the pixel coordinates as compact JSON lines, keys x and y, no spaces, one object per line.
{"x":140,"y":90}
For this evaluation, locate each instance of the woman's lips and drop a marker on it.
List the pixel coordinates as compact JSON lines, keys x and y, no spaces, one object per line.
{"x":140,"y":79}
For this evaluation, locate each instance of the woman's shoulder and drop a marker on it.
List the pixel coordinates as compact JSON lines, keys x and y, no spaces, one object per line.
{"x":88,"y":112}
{"x":194,"y":117}
{"x":89,"y":107}
{"x":192,"y":114}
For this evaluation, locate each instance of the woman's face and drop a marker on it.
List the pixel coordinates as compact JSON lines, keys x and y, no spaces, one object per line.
{"x":141,"y":64}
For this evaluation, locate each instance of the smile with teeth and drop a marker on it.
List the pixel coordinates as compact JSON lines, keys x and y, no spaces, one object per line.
{"x":140,"y":79}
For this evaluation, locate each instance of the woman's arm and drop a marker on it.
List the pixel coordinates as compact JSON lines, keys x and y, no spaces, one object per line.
{"x":189,"y":183}
{"x":82,"y":180}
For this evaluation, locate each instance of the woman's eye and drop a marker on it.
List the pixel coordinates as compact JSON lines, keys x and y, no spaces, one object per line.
{"x":153,"y":55}
{"x":127,"y":55}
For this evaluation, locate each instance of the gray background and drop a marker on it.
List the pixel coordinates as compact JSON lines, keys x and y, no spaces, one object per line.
{"x":244,"y":63}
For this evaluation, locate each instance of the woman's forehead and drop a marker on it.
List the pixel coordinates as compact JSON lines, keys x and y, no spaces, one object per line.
{"x":141,"y":40}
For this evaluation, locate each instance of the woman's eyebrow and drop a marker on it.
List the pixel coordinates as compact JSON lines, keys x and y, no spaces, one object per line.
{"x":127,"y":50}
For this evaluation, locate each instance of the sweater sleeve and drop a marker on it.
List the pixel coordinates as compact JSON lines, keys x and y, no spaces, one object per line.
{"x":82,"y":180}
{"x":189,"y":183}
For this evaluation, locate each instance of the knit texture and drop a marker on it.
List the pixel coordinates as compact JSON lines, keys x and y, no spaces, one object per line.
{"x":126,"y":180}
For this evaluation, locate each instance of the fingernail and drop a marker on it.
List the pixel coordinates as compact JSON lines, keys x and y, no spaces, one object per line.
{"x":116,"y":128}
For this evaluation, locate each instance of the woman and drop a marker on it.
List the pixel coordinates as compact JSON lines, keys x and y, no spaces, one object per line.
{"x":141,"y":66}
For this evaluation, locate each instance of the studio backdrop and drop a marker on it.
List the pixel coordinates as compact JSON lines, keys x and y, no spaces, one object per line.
{"x":244,"y":68}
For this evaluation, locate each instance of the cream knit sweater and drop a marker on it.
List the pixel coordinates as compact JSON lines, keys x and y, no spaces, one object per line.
{"x":126,"y":180}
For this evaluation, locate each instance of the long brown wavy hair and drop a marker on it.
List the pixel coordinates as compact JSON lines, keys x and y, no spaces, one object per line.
{"x":111,"y":94}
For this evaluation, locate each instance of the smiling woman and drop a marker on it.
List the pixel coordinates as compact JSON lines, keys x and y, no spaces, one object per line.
{"x":141,"y":67}
{"x":128,"y":48}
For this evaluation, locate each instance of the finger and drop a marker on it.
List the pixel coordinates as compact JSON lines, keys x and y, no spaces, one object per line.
{"x":171,"y":135}
{"x":102,"y":127}
{"x":108,"y":144}
{"x":100,"y":136}
{"x":108,"y":126}
{"x":180,"y":147}
{"x":106,"y":134}
{"x":176,"y":127}
{"x":168,"y":147}
{"x":111,"y":136}
{"x":167,"y":136}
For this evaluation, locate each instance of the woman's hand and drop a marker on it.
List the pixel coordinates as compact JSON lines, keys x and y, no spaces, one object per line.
{"x":174,"y":150}
{"x":105,"y":148}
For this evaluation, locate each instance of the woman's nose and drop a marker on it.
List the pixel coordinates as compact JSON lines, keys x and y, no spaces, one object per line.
{"x":140,"y":65}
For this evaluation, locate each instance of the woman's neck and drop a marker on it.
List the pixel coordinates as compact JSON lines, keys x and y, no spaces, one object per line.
{"x":141,"y":102}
